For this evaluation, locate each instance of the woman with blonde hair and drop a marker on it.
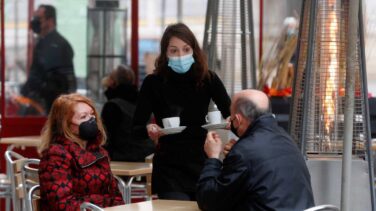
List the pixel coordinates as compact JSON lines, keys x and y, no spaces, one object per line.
{"x":74,"y":168}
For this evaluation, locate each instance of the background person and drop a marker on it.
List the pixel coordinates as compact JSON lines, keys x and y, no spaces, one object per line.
{"x":52,"y":71}
{"x":264,"y":170}
{"x":182,"y":86}
{"x":74,"y":168}
{"x":117,"y":115}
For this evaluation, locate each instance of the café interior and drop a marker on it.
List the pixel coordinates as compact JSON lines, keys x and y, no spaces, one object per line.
{"x":318,"y":70}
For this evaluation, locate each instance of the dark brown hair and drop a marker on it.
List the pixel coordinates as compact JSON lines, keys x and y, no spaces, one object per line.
{"x":181,"y":31}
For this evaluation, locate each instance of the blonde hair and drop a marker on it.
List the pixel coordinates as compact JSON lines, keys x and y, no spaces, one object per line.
{"x":59,"y":120}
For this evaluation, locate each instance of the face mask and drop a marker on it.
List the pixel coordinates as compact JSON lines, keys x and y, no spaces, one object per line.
{"x":88,"y":130}
{"x":233,"y":129}
{"x":35,"y":25}
{"x":181,"y":64}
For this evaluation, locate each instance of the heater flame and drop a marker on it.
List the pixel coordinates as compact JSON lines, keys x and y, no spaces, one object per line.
{"x":331,"y":70}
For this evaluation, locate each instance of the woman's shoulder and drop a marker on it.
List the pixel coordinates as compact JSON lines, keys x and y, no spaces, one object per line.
{"x":152,"y":80}
{"x":212,"y":74}
{"x":56,"y":149}
{"x":153,"y":77}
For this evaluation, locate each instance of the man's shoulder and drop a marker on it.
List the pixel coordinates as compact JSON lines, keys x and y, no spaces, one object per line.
{"x":57,"y":39}
{"x":264,"y":146}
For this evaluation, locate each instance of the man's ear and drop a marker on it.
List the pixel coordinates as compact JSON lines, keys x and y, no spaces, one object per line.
{"x":239,"y":118}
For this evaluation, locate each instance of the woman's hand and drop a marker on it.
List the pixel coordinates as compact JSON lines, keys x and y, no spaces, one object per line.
{"x":154,"y":132}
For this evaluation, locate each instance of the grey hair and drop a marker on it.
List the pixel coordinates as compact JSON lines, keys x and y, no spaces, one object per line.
{"x":249,"y":109}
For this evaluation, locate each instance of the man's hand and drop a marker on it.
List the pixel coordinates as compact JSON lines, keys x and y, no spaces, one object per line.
{"x":213,"y":145}
{"x":228,"y":146}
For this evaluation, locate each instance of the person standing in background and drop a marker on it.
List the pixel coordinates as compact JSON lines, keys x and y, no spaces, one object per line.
{"x":181,"y":86}
{"x":117,"y":115}
{"x":52,"y":71}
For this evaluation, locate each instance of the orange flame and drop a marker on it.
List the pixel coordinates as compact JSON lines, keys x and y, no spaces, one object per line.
{"x":331,"y":74}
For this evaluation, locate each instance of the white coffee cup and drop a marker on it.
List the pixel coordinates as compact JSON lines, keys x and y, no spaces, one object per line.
{"x":213,"y":117}
{"x":171,"y":122}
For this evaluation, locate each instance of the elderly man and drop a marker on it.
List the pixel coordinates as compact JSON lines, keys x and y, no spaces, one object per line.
{"x":263,"y":170}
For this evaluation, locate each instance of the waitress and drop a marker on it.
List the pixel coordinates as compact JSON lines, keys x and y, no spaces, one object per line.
{"x":181,"y":86}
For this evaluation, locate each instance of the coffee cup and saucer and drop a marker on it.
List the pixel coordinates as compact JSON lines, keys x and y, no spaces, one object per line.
{"x":214,"y":121}
{"x":171,"y":125}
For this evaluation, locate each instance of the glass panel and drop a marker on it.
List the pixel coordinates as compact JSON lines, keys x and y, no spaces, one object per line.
{"x":41,"y":66}
{"x":16,"y":33}
{"x":106,"y":36}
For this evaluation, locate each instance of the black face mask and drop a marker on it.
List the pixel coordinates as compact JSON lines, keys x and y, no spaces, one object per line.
{"x":88,"y":130}
{"x":233,"y":129}
{"x":35,"y":25}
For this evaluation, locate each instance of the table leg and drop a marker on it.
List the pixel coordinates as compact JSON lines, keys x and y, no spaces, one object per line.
{"x":128,"y":190}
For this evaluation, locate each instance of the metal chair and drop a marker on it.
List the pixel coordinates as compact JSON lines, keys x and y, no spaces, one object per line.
{"x":325,"y":207}
{"x":29,"y":179}
{"x":14,"y":164}
{"x":32,"y":200}
{"x":5,"y":190}
{"x":88,"y":205}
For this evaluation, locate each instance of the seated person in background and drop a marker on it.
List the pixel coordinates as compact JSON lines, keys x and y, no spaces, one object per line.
{"x":117,"y":115}
{"x":74,"y":168}
{"x":263,"y":170}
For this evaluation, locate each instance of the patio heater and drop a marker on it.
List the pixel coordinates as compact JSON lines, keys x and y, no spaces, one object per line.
{"x":329,"y":113}
{"x":229,"y":43}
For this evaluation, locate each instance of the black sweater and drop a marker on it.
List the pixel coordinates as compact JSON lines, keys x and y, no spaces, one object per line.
{"x":178,"y":95}
{"x":180,"y":157}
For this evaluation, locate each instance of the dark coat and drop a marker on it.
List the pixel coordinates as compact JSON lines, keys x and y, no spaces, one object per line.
{"x":52,"y":72}
{"x":263,"y":171}
{"x":117,"y":115}
{"x":70,"y":175}
{"x":179,"y":158}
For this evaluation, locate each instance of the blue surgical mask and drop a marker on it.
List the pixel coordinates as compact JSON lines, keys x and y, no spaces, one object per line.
{"x":181,"y":64}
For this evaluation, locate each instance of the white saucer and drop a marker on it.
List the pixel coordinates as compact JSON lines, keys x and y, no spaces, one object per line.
{"x":221,"y":125}
{"x":173,"y":130}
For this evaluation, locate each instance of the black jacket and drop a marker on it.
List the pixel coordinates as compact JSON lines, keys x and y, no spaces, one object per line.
{"x":263,"y":171}
{"x":179,"y":158}
{"x":52,"y":71}
{"x":117,"y":115}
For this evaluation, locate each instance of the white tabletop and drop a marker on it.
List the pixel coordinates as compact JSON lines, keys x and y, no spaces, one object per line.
{"x":157,"y":205}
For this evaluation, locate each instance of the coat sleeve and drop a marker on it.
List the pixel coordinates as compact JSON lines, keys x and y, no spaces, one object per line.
{"x":219,"y":95}
{"x":143,"y":109}
{"x":220,"y":187}
{"x":55,"y":177}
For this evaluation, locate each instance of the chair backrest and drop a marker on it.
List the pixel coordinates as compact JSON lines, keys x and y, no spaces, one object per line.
{"x":29,"y":178}
{"x":325,"y":207}
{"x":14,"y":165}
{"x":33,"y":199}
{"x":88,"y":205}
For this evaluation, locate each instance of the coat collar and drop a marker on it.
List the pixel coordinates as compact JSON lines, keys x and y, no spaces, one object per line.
{"x":266,"y":119}
{"x":84,"y":158}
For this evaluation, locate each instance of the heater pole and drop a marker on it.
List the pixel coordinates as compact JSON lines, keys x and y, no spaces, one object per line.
{"x":349,"y":104}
